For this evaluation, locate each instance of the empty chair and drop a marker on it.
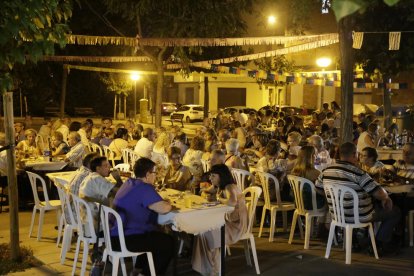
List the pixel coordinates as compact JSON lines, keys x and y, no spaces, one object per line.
{"x":134,"y":157}
{"x":86,"y":232}
{"x":338,"y":196}
{"x":41,"y":206}
{"x":206,"y":165}
{"x":69,"y":221}
{"x":240,"y":176}
{"x":110,"y":154}
{"x":123,"y":167}
{"x":251,"y":195}
{"x":273,"y":207}
{"x":298,"y":184}
{"x":107,"y":216}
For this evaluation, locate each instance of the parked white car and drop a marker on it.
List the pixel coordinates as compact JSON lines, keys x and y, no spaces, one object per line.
{"x":192,"y":112}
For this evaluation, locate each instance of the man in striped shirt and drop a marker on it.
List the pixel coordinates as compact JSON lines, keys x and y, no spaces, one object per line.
{"x":345,"y":172}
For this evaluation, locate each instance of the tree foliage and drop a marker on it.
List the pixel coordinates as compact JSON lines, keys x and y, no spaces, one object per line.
{"x":117,"y":83}
{"x":343,"y":8}
{"x":180,"y":18}
{"x":28,"y":30}
{"x":374,"y":53}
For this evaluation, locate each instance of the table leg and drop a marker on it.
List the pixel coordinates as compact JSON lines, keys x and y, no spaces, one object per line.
{"x":223,"y":250}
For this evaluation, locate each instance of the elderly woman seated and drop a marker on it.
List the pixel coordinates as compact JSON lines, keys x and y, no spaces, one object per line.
{"x":177,"y":175}
{"x":323,"y":158}
{"x":233,"y":160}
{"x":29,"y":146}
{"x":271,"y":164}
{"x":57,"y":145}
{"x":369,"y":163}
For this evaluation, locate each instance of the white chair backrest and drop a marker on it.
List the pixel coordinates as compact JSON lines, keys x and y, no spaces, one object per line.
{"x":107,"y":219}
{"x":33,"y":182}
{"x":206,"y":165}
{"x":86,"y":228}
{"x":133,"y":158}
{"x":123,"y":167}
{"x":297,"y":184}
{"x":265,"y":180}
{"x":126,"y":155}
{"x":66,"y":206}
{"x":96,"y":148}
{"x":110,"y":154}
{"x":240,"y":177}
{"x":251,"y":195}
{"x":339,"y":195}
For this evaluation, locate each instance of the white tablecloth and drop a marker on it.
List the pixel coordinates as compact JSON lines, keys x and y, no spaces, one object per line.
{"x":398,"y":189}
{"x":61,"y":178}
{"x":385,"y":154}
{"x":195,"y":220}
{"x":42,"y":165}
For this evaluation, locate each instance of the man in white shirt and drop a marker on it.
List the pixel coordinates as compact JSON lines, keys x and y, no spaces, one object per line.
{"x":145,"y":145}
{"x":77,"y":151}
{"x":82,"y":173}
{"x":86,"y":127}
{"x":64,"y":128}
{"x":96,"y":188}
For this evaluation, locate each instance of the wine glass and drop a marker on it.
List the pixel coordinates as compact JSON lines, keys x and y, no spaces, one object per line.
{"x":164,"y":185}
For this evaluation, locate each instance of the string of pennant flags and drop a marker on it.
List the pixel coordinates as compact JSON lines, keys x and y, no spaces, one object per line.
{"x":329,"y":78}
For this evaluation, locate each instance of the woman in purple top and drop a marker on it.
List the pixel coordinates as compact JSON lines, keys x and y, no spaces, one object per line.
{"x":139,"y":204}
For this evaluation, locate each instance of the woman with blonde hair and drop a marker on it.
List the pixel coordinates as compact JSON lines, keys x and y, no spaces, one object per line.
{"x":159,"y":154}
{"x":305,"y":167}
{"x":192,"y":159}
{"x":29,"y":146}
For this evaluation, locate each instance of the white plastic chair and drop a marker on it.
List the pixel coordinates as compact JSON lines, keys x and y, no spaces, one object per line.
{"x":124,"y":253}
{"x":338,"y":196}
{"x":251,"y":203}
{"x":41,"y":206}
{"x":69,"y":221}
{"x":126,"y":155}
{"x":240,"y":176}
{"x":411,"y":226}
{"x":265,"y":178}
{"x":133,"y":158}
{"x":206,"y":165}
{"x":96,"y":148}
{"x":86,"y":232}
{"x":298,"y":183}
{"x":110,"y":154}
{"x":123,"y":167}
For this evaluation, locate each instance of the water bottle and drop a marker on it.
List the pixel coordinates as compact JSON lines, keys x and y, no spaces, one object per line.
{"x":404,"y":137}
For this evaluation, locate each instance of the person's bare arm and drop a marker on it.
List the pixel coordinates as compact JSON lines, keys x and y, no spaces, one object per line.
{"x":231,"y":195}
{"x":381,"y":195}
{"x":161,"y":207}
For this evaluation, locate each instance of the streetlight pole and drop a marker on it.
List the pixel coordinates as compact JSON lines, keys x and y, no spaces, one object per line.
{"x":135,"y":76}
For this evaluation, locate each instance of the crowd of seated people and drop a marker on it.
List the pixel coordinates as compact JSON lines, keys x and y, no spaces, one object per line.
{"x":275,"y":142}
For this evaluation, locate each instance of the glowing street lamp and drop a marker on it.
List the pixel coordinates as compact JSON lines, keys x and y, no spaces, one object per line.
{"x":271,"y":19}
{"x":135,"y":76}
{"x":323,"y":63}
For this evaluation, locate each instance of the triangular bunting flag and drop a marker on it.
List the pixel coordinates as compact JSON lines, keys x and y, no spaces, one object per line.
{"x":358,"y":37}
{"x":394,"y":40}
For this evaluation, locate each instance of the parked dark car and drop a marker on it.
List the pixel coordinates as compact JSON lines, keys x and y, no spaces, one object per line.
{"x":168,"y":108}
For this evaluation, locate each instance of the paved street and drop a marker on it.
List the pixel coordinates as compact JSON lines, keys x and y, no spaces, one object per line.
{"x":277,"y":258}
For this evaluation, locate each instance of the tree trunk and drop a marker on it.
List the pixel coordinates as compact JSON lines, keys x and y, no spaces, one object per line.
{"x":387,"y":103}
{"x":115,"y":107}
{"x":11,"y":176}
{"x":63,"y":95}
{"x":347,"y":78}
{"x":158,"y":96}
{"x":206,"y":97}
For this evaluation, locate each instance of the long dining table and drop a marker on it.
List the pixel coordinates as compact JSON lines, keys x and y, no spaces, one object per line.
{"x":198,"y":217}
